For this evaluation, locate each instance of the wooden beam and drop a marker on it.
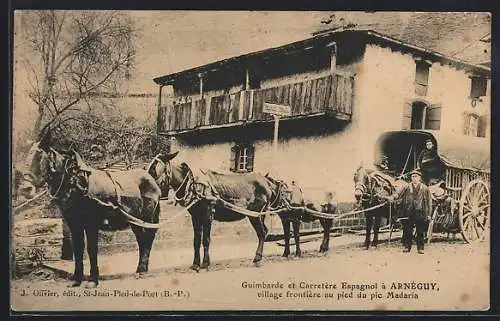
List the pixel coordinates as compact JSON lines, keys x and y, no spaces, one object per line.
{"x":200,"y":77}
{"x":159,"y":95}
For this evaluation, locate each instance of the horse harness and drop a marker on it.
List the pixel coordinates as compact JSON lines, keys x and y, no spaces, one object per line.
{"x":368,"y":192}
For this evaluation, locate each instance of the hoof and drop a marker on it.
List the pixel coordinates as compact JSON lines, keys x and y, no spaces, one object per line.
{"x":139,"y":275}
{"x":195,"y":267}
{"x":257,"y":264}
{"x":286,"y":254}
{"x":298,"y":254}
{"x":75,"y":284}
{"x":205,"y":265}
{"x":91,"y":285}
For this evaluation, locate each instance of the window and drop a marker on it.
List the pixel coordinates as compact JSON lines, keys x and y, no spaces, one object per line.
{"x":478,"y":87}
{"x":241,"y":163}
{"x":420,"y":115}
{"x":417,"y":115}
{"x":421,"y":77}
{"x":242,"y":157}
{"x":475,"y":125}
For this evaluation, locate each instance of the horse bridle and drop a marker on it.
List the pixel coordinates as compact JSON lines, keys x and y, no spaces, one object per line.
{"x":168,"y":177}
{"x":366,"y":191}
{"x":278,"y":196}
{"x":29,"y":176}
{"x":167,"y":172}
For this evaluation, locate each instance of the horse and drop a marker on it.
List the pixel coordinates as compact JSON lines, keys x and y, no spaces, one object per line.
{"x":298,"y":214}
{"x":202,"y":194}
{"x":91,"y":199}
{"x":370,"y":188}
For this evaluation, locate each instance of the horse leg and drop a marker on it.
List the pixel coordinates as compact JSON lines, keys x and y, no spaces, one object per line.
{"x":149,"y":235}
{"x":376,"y":227}
{"x":145,"y":238}
{"x":92,"y":249}
{"x":327,"y":226}
{"x":67,"y":245}
{"x":286,"y":233}
{"x":77,"y":236}
{"x":197,"y":229}
{"x":207,"y":227}
{"x":296,"y":236}
{"x":140,"y":237}
{"x":368,"y":228}
{"x":261,"y":230}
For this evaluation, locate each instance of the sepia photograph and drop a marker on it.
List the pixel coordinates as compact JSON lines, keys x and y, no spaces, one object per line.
{"x":197,"y":160}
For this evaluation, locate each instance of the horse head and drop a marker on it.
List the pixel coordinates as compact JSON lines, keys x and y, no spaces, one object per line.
{"x":362,"y":184}
{"x":282,"y":191}
{"x":160,"y":169}
{"x":43,"y":165}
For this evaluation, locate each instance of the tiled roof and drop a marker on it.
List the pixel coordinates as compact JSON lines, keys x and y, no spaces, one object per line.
{"x":458,"y":35}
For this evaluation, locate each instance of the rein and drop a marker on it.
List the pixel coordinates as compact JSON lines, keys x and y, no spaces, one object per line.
{"x":185,"y":182}
{"x":55,"y":195}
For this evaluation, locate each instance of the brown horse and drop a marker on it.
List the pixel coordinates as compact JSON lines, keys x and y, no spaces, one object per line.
{"x":87,"y":197}
{"x":370,"y":188}
{"x":248,"y":191}
{"x":294,"y":195}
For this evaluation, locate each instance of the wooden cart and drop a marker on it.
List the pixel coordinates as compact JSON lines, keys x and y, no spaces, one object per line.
{"x":459,"y":178}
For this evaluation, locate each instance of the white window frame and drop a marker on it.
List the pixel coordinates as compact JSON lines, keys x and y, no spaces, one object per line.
{"x":473,"y":130}
{"x":242,"y":159}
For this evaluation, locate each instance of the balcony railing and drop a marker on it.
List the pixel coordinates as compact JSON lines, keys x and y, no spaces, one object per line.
{"x":332,"y":94}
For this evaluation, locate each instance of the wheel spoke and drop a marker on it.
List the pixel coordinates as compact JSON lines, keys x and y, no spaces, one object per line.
{"x":478,"y":191}
{"x":472,"y":192}
{"x":466,"y":224}
{"x":483,"y":207}
{"x":468,"y":207}
{"x":475,"y":229}
{"x":483,"y":216}
{"x":465,"y":216}
{"x":467,"y":198}
{"x":481,"y":225}
{"x":484,"y":197}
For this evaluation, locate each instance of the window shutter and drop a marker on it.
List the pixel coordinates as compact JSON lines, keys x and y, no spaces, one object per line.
{"x":478,"y":87}
{"x":421,"y":77}
{"x":483,"y":126}
{"x":406,"y":115}
{"x":232,"y":161}
{"x":433,"y":117}
{"x":250,"y":158}
{"x":466,"y":124}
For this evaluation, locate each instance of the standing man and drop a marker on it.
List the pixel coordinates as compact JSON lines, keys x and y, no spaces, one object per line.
{"x":416,"y":205}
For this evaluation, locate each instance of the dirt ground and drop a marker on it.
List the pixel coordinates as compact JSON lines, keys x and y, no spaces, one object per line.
{"x":451,"y":275}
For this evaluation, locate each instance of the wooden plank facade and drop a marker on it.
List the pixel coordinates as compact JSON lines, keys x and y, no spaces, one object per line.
{"x":332,"y":94}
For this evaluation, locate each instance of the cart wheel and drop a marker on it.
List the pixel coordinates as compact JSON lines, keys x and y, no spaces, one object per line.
{"x":431,"y":224}
{"x":474,"y":211}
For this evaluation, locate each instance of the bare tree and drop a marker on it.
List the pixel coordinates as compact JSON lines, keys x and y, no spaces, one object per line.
{"x":73,"y":57}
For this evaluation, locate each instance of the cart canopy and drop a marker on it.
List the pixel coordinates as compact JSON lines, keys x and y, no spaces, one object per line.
{"x":401,"y":150}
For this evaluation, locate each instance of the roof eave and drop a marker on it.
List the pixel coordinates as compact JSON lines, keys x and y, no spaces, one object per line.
{"x":171,"y":78}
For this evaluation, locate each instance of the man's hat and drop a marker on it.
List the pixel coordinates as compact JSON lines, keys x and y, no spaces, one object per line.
{"x":416,"y":171}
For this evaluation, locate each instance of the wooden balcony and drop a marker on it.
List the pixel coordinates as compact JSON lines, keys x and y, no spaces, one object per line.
{"x":332,"y":95}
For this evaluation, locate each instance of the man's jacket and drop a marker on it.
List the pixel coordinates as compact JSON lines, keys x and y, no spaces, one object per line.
{"x":415,"y":201}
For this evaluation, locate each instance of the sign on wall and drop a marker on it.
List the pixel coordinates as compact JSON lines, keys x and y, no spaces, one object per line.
{"x":277,"y":110}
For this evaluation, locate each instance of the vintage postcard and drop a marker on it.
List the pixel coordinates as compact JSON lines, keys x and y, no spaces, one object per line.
{"x":250,"y":160}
